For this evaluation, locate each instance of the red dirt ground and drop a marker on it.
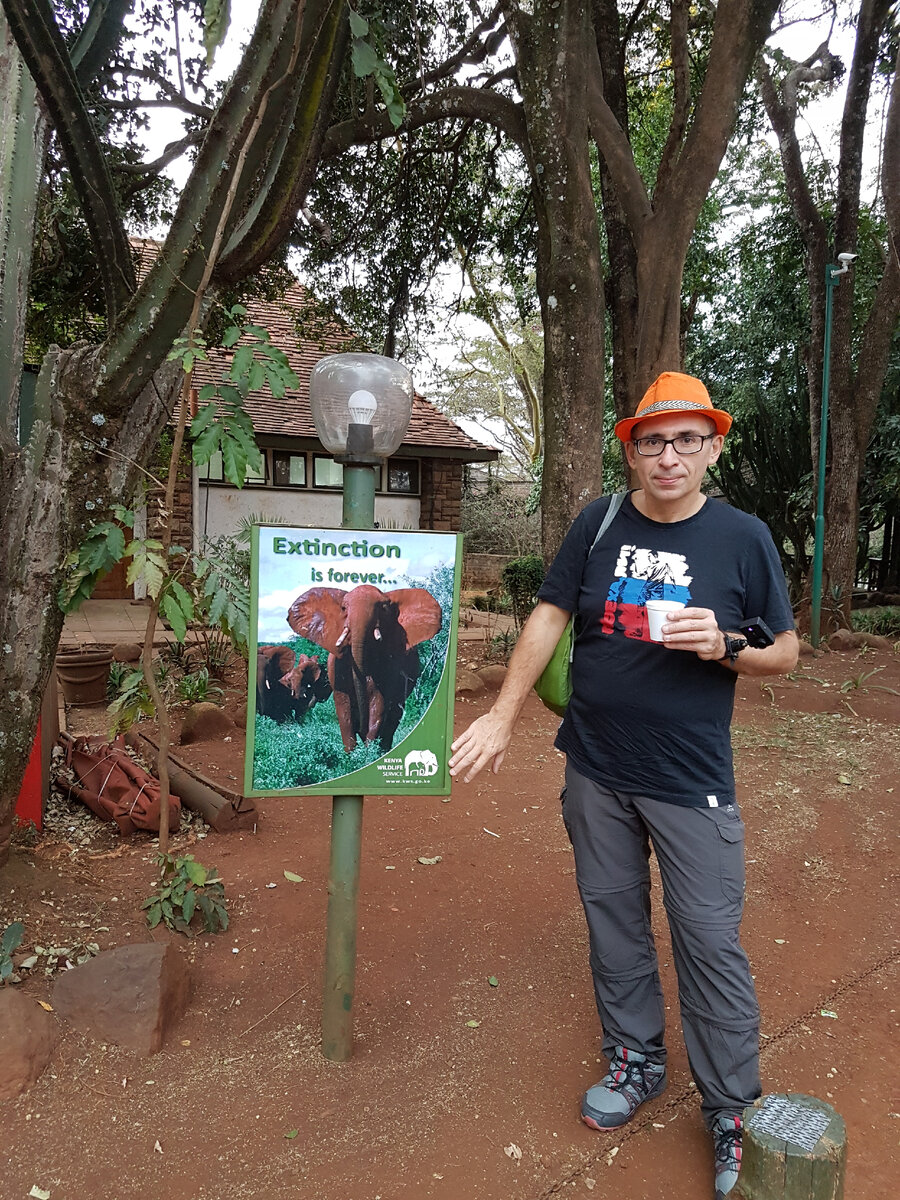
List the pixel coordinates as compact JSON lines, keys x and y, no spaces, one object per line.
{"x":241,"y":1102}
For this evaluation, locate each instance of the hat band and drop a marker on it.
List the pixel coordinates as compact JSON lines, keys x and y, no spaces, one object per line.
{"x":668,"y":405}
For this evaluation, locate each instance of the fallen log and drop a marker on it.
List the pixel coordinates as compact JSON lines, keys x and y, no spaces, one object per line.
{"x":223,"y":810}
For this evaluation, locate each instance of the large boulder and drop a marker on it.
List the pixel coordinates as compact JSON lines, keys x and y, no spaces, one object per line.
{"x":131,"y":996}
{"x":467,"y":682}
{"x":849,"y":639}
{"x":205,"y":722}
{"x":492,"y":676}
{"x":27,"y":1038}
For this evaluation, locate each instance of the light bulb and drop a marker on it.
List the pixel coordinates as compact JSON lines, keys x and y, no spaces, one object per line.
{"x":362,"y":405}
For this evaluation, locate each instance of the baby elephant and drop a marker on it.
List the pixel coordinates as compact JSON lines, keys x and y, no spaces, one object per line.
{"x":308,"y":684}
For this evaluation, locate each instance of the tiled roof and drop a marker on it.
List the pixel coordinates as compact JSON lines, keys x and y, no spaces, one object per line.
{"x":296,"y":326}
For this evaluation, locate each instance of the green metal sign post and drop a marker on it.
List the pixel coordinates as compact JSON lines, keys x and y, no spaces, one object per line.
{"x":346,"y":841}
{"x":832,"y":278}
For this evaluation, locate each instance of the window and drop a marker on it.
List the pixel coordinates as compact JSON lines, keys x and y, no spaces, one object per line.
{"x":403,"y":476}
{"x":326,"y":472}
{"x":288,"y":470}
{"x":213,"y":471}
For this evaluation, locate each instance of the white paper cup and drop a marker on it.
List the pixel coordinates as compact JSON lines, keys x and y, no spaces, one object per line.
{"x":657,"y":611}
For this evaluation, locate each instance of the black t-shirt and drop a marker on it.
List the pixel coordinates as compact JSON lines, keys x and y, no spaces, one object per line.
{"x":643,"y":718}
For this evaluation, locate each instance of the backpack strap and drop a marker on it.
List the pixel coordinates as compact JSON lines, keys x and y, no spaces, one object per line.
{"x":616,"y":501}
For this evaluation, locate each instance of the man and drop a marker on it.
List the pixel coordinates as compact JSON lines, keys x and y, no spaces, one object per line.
{"x":648,"y":754}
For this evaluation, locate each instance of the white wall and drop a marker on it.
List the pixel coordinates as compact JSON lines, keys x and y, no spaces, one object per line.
{"x":219,"y":510}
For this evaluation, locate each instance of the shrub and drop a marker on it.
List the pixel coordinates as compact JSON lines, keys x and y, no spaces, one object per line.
{"x":521,"y":579}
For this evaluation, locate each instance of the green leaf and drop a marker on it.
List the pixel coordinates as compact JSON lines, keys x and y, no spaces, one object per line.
{"x":187,"y":907}
{"x":359,"y":26}
{"x":216,"y":16}
{"x":493,"y":981}
{"x":292,"y":877}
{"x":12,"y":937}
{"x":472,"y":1024}
{"x":364,"y":58}
{"x":231,"y":336}
{"x":291,"y":1134}
{"x":196,"y":872}
{"x":154,"y":916}
{"x":256,"y":376}
{"x":240,"y":364}
{"x":204,"y":396}
{"x":173,"y":614}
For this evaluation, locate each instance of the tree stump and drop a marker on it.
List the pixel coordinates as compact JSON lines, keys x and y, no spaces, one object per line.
{"x":795,"y":1148}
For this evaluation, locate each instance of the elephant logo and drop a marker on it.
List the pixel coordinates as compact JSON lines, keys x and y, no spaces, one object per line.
{"x":373,"y":664}
{"x":420,"y":762}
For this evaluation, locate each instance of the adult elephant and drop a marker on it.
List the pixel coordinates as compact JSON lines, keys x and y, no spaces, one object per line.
{"x":371,"y":638}
{"x":273,"y":698}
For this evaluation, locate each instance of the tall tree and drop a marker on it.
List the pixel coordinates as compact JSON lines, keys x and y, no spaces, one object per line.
{"x":100,"y":409}
{"x":565,"y":90}
{"x":830,"y":224}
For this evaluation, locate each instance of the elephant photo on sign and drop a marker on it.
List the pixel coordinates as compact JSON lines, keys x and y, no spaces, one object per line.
{"x":373,"y":664}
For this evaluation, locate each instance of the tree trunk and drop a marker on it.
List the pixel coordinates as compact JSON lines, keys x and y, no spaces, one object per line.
{"x":53,"y":490}
{"x":552,"y":71}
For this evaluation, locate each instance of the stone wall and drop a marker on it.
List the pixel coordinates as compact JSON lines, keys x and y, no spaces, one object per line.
{"x":441,"y":494}
{"x":181,"y":518}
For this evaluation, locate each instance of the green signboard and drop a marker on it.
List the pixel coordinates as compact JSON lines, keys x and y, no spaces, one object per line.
{"x":354,"y":652}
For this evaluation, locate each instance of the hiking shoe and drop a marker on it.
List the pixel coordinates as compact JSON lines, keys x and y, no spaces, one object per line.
{"x":728,"y":1135}
{"x":629,"y":1082}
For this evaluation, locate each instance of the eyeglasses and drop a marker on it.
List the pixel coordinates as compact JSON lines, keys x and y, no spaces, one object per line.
{"x":687,"y":443}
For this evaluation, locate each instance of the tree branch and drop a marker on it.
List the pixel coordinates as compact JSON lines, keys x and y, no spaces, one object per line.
{"x":808,"y":216}
{"x":175,"y":98}
{"x":681,"y":88}
{"x":613,"y":144}
{"x":34,"y":27}
{"x":480,"y":44}
{"x":449,"y":103}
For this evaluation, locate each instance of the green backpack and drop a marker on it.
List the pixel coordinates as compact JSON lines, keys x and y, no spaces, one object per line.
{"x":554,"y":684}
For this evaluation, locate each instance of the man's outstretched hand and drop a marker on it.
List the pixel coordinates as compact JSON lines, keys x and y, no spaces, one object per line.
{"x":484,"y":742}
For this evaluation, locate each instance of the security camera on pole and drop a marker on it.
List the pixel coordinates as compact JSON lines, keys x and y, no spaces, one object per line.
{"x":832,"y":277}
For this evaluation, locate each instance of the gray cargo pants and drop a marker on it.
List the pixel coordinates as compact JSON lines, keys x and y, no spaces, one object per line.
{"x":700,"y":852}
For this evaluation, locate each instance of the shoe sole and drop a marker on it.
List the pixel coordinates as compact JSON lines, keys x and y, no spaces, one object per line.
{"x":616,"y":1120}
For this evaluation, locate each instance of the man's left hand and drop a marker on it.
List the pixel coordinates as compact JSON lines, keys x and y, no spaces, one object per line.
{"x":694,"y":629}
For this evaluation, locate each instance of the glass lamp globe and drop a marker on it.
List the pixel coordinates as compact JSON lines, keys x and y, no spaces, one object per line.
{"x":361,"y":405}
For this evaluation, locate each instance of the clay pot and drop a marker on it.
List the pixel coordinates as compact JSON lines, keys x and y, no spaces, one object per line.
{"x":82,"y":674}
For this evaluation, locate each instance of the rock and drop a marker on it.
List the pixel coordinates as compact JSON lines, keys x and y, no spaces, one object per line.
{"x":27,"y":1038}
{"x":876,"y":641}
{"x":131,"y":996}
{"x":126,"y":652}
{"x":467,"y":682}
{"x":848,"y":639}
{"x":204,"y":723}
{"x":492,"y":676}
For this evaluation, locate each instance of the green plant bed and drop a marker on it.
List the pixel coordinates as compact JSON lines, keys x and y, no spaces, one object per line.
{"x":884,"y":621}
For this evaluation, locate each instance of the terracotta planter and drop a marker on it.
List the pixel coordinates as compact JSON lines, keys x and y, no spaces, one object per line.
{"x":82,"y":674}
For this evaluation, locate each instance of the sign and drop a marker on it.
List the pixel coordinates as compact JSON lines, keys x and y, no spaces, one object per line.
{"x":353,"y":646}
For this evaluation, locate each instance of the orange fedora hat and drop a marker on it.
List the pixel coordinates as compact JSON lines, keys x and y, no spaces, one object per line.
{"x":673,"y":392}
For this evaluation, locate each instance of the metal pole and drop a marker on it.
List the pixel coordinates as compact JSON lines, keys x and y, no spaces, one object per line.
{"x":346,"y":841}
{"x":815,"y":616}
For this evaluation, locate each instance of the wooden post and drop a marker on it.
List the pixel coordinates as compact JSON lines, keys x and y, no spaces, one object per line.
{"x":795,"y":1148}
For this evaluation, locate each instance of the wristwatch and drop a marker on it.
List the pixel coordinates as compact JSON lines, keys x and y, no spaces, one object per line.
{"x":733,"y":646}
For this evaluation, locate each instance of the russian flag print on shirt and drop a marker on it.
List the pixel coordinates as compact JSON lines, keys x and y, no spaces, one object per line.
{"x":643,"y":575}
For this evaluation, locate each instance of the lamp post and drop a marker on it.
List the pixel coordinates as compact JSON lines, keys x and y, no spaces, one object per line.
{"x":832,"y":278}
{"x":361,"y":405}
